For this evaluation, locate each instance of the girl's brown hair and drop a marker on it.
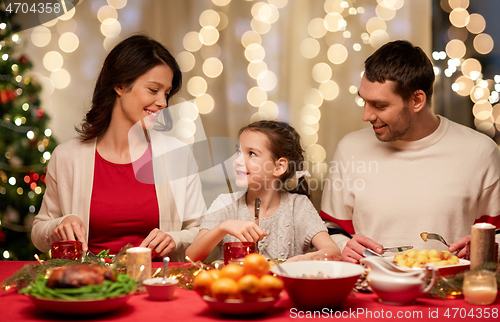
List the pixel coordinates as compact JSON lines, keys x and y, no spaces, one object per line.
{"x":284,"y":142}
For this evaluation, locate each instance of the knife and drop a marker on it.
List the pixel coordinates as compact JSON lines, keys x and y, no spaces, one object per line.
{"x":396,"y":249}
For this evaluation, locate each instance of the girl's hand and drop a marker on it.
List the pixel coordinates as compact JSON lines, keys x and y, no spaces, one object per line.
{"x":72,"y":228}
{"x":297,"y":258}
{"x":159,"y":241}
{"x":246,"y":231}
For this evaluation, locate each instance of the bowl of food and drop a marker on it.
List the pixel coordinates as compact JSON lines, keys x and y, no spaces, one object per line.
{"x":160,"y":289}
{"x":446,"y":263}
{"x":319,"y":284}
{"x":239,"y":288}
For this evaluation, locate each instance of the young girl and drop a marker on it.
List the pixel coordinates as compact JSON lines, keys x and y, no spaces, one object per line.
{"x":269,"y":156}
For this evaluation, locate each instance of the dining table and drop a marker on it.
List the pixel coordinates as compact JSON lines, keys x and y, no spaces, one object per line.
{"x":187,"y":306}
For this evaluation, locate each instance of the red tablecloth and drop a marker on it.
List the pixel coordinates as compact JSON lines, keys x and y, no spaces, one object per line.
{"x":188,"y":306}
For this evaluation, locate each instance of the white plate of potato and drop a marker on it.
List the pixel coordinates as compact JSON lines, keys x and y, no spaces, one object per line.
{"x":446,"y":263}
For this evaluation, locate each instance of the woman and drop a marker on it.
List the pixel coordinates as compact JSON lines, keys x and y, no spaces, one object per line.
{"x":95,"y":192}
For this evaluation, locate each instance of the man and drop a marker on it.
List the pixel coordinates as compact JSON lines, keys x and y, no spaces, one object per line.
{"x":418,"y":172}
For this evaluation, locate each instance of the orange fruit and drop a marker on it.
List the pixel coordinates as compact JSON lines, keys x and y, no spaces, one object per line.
{"x":215,"y":273}
{"x":255,"y":264}
{"x":270,"y":286}
{"x":202,"y":282}
{"x":249,"y":286}
{"x":224,"y":288}
{"x":232,"y":271}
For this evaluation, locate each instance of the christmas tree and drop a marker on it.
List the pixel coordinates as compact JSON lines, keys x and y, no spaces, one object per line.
{"x":26,"y":145}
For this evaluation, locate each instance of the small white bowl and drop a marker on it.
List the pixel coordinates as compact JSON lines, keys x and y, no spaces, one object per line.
{"x":161,"y":292}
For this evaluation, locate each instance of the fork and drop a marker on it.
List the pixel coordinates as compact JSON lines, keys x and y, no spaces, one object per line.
{"x":425,"y":236}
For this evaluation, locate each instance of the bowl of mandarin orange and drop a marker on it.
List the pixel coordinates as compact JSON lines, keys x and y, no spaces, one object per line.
{"x":239,"y":289}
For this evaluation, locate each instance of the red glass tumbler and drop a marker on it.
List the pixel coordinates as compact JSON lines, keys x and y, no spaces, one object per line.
{"x":67,"y":249}
{"x":237,"y":250}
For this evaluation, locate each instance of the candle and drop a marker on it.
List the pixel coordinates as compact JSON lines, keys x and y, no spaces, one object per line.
{"x":237,"y":250}
{"x":68,"y":249}
{"x":480,"y":287}
{"x":139,"y":263}
{"x":482,"y":245}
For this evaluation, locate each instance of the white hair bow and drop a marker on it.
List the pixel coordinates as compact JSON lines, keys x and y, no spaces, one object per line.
{"x":300,"y":174}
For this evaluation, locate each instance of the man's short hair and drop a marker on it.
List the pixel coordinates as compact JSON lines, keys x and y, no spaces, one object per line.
{"x":406,"y":65}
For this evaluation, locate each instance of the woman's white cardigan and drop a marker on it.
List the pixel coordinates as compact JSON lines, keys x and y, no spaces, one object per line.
{"x":70,"y":177}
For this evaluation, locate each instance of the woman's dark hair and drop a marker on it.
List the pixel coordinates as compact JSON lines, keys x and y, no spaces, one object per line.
{"x":284,"y":142}
{"x":406,"y":65}
{"x":128,"y":60}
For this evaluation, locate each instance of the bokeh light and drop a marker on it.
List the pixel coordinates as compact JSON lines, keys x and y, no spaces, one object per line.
{"x":316,"y":28}
{"x":459,"y":17}
{"x":309,"y":48}
{"x":455,"y":48}
{"x":212,"y":67}
{"x":197,"y":86}
{"x":314,"y":97}
{"x":269,"y":108}
{"x":482,"y":110}
{"x":471,"y":68}
{"x":60,"y":78}
{"x":186,"y":61}
{"x":321,"y":72}
{"x":209,"y":18}
{"x":256,"y":96}
{"x":40,"y":36}
{"x":330,"y":90}
{"x":68,"y":42}
{"x":476,"y":24}
{"x":191,"y":41}
{"x":465,"y":85}
{"x":483,"y":43}
{"x":52,"y":61}
{"x":337,"y":53}
{"x":111,"y":27}
{"x":205,"y":103}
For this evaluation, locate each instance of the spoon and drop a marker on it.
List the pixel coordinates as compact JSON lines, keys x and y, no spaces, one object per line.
{"x":256,"y":212}
{"x":166,"y":260}
{"x":276,"y":263}
{"x":425,"y":236}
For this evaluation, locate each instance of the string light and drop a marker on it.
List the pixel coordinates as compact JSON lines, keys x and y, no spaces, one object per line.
{"x":334,"y":28}
{"x":471,"y":83}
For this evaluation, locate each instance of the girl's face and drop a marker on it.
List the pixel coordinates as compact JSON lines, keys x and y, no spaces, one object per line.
{"x":145,"y":98}
{"x":254,"y":166}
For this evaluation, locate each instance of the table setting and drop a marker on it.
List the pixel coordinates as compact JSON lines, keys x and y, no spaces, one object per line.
{"x":249,"y":285}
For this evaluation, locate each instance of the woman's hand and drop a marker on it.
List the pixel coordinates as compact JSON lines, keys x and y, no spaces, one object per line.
{"x":246,"y":231}
{"x":72,"y":228}
{"x":159,"y":241}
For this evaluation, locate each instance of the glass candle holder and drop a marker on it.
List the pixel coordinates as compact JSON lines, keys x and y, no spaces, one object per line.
{"x":480,"y":287}
{"x":237,"y":250}
{"x":67,"y":249}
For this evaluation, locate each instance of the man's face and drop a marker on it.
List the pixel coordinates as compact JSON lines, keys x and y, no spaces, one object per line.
{"x":389,"y":114}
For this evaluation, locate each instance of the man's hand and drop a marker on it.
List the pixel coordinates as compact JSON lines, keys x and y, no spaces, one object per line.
{"x":159,"y":241}
{"x":72,"y":228}
{"x":459,"y":246}
{"x":353,"y":250}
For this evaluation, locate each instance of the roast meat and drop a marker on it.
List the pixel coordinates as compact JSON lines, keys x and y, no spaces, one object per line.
{"x":74,"y":276}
